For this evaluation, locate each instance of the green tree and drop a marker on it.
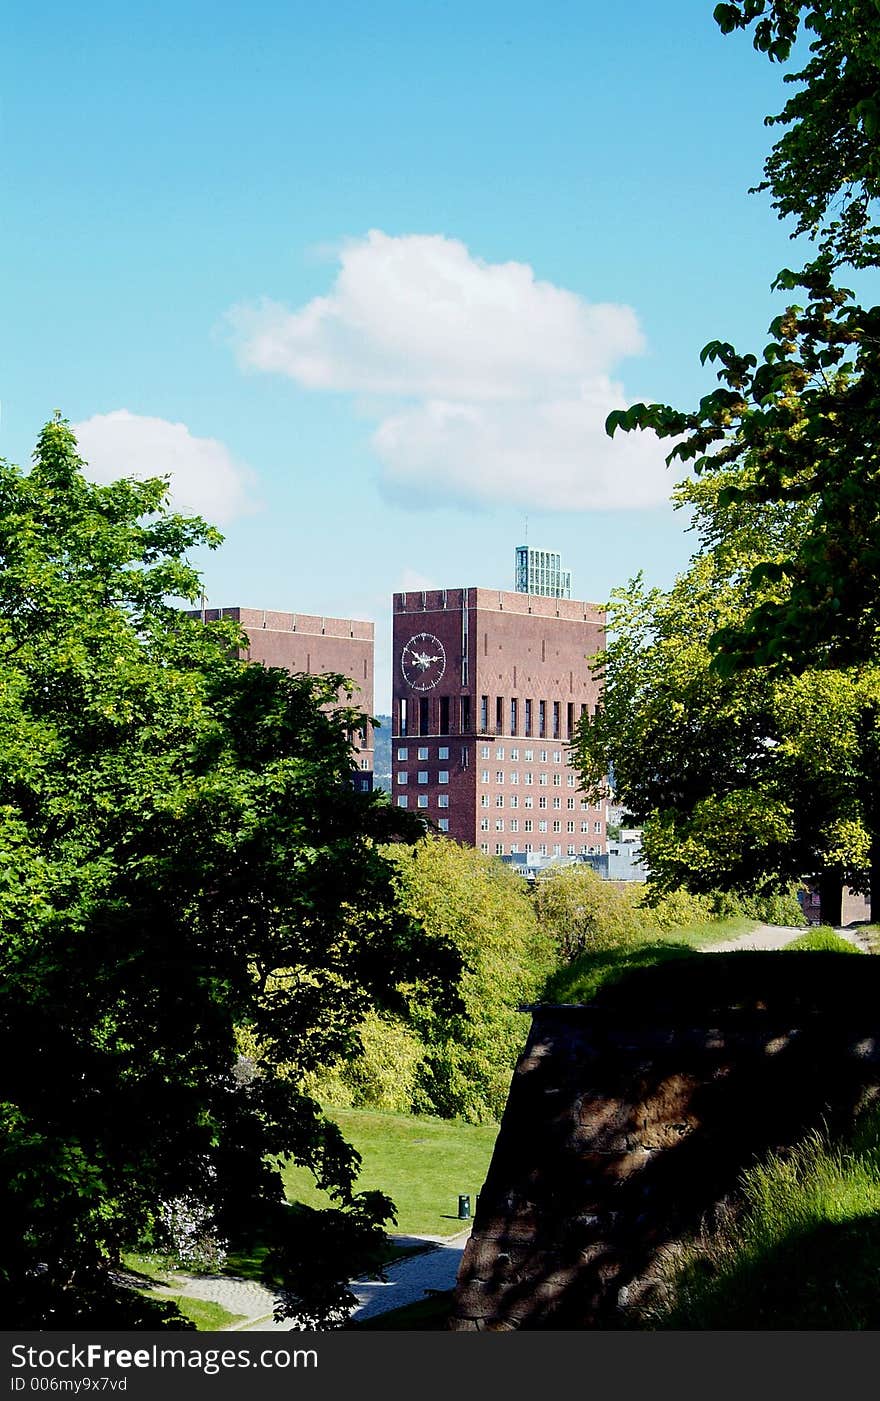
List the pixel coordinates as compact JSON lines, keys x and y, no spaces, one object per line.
{"x":483,"y":909}
{"x":743,"y":779}
{"x":184,"y":856}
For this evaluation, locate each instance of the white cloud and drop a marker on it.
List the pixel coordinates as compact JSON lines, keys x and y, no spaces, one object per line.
{"x":505,"y":379}
{"x":206,"y":479}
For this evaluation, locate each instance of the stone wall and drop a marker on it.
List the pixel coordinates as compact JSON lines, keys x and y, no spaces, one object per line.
{"x":629,"y":1119}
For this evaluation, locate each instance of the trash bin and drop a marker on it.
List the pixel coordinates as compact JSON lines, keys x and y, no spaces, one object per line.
{"x":464,"y":1208}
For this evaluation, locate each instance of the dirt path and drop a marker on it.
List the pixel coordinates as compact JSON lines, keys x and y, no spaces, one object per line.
{"x":776,"y":936}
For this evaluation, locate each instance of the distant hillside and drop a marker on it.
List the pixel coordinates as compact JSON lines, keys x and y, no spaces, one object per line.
{"x":382,"y":761}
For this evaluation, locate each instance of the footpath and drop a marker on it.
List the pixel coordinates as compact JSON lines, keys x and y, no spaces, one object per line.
{"x":406,"y":1282}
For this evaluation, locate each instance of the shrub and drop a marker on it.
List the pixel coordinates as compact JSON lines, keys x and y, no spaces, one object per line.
{"x":583,"y":913}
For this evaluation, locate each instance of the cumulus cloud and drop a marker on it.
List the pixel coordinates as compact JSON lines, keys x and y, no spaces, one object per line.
{"x":488,"y":383}
{"x":206,"y":479}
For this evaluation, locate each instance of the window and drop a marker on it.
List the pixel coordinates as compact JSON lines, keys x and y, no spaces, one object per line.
{"x":484,"y":824}
{"x":514,"y":754}
{"x":484,"y":848}
{"x":528,"y":801}
{"x":584,"y":804}
{"x":484,"y":751}
{"x":443,"y":751}
{"x":528,"y":755}
{"x":513,"y":715}
{"x":403,"y":754}
{"x":542,"y":801}
{"x":585,"y":826}
{"x":557,"y":803}
{"x":443,"y":824}
{"x":484,"y":800}
{"x":484,"y":775}
{"x":423,"y":800}
{"x":443,"y":800}
{"x":465,"y":714}
{"x":403,"y":717}
{"x":424,"y":711}
{"x":557,"y":826}
{"x":542,"y":779}
{"x":597,"y":826}
{"x":528,"y":778}
{"x":499,"y":824}
{"x":542,"y":718}
{"x":528,"y":846}
{"x":569,"y":724}
{"x":423,"y":776}
{"x":557,"y":756}
{"x":542,"y":849}
{"x":556,"y":719}
{"x":423,"y":753}
{"x":484,"y":714}
{"x":515,"y":848}
{"x":514,"y":800}
{"x":571,"y":849}
{"x":514,"y":777}
{"x":527,"y":825}
{"x":542,"y":825}
{"x":514,"y":824}
{"x":569,"y":826}
{"x":499,"y":800}
{"x":528,"y":724}
{"x":569,"y":782}
{"x":543,"y":756}
{"x":402,"y":800}
{"x":557,"y":849}
{"x":443,"y":727}
{"x":499,"y":775}
{"x":499,"y":848}
{"x":569,"y":803}
{"x":443,"y":776}
{"x":557,"y":780}
{"x":499,"y":752}
{"x":402,"y":777}
{"x":499,"y":715}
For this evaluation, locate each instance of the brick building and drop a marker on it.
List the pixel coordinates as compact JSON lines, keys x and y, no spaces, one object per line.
{"x":301,"y":642}
{"x":488,"y":686}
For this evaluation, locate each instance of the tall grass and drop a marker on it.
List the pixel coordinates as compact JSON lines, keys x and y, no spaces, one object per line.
{"x":801,"y":1250}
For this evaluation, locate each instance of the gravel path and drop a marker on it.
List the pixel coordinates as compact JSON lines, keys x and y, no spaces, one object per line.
{"x":407,"y":1282}
{"x":776,"y":936}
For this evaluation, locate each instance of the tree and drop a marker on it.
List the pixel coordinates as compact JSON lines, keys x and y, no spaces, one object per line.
{"x":798,"y":424}
{"x":185,"y":860}
{"x":742,"y":780}
{"x":437,"y":1060}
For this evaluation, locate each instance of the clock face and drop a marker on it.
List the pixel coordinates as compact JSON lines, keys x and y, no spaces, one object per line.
{"x":423,"y":661}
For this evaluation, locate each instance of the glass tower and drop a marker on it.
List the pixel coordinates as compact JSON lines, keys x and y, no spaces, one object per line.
{"x":541,"y":572}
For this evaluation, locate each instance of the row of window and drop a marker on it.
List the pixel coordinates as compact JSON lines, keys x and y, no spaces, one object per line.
{"x":422,"y":753}
{"x":528,"y":825}
{"x":422,"y":800}
{"x":437,"y":715}
{"x":544,"y":755}
{"x":529,"y":802}
{"x":421,"y":776}
{"x":528,"y":778}
{"x":542,"y":849}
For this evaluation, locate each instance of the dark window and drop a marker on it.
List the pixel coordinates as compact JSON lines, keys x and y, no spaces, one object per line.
{"x":570,"y":719}
{"x":542,"y":719}
{"x":556,"y":719}
{"x":484,"y":715}
{"x":528,"y":725}
{"x":499,"y":715}
{"x":465,"y":714}
{"x":513,"y":716}
{"x":424,"y":721}
{"x":403,"y":717}
{"x":444,"y":715}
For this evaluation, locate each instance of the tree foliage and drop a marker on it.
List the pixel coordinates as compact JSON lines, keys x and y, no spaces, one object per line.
{"x":184,"y":854}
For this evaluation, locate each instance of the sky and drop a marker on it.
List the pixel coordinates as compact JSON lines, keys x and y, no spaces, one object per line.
{"x":365,"y":280}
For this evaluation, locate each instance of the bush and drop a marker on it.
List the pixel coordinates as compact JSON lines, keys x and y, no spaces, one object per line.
{"x":583,"y":913}
{"x":821,"y":940}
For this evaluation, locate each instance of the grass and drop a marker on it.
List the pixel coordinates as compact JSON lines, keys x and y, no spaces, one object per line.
{"x":205,"y":1314}
{"x":423,"y":1163}
{"x":822,"y":939}
{"x":802,"y":1251}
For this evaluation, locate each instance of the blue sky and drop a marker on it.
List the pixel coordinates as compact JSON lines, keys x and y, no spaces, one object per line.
{"x":366,"y":279}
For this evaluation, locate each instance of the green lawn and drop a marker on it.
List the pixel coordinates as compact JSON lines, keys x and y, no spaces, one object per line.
{"x":205,"y":1314}
{"x":421,"y":1162}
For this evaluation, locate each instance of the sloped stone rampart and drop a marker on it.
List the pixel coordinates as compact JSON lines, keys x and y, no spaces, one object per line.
{"x":631,"y":1118}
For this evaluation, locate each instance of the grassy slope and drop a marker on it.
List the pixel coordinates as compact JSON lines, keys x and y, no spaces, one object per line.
{"x":421,"y":1162}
